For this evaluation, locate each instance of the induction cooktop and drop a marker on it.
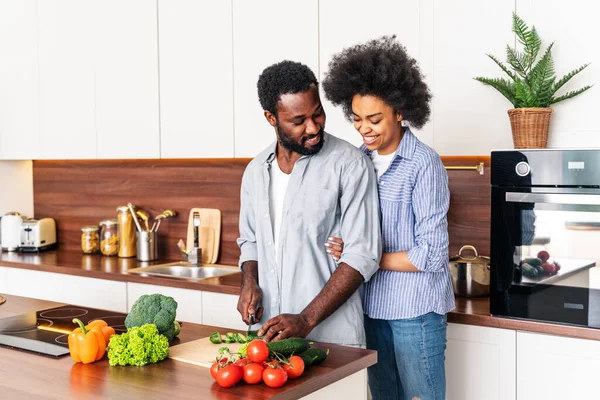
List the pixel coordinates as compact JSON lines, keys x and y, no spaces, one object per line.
{"x":49,"y":335}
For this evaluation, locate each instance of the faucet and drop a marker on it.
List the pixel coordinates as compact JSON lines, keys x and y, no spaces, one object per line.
{"x":194,"y":255}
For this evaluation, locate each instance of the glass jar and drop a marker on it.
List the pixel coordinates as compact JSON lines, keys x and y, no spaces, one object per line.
{"x":109,"y":237}
{"x":126,"y":232}
{"x":90,"y":241}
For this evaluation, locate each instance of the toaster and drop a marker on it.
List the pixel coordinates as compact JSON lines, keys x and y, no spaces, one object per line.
{"x":38,"y":235}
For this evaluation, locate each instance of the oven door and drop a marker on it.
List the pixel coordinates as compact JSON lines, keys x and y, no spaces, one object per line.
{"x":545,"y":254}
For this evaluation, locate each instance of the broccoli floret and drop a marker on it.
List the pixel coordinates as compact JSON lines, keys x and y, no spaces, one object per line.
{"x":138,"y":346}
{"x":154,"y":309}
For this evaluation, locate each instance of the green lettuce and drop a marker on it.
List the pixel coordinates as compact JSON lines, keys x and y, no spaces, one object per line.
{"x":138,"y":346}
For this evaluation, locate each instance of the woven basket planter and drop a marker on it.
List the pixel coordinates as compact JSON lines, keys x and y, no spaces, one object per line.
{"x":530,"y":127}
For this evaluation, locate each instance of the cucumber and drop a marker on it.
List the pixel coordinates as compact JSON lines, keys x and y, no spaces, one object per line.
{"x":307,"y":359}
{"x":316,"y":355}
{"x":287,"y":347}
{"x":534,"y":262}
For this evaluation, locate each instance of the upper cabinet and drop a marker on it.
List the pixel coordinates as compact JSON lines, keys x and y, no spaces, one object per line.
{"x":196,"y":78}
{"x":66,"y":80}
{"x":79,"y":79}
{"x":126,"y":78}
{"x":266,"y":32}
{"x":342,"y":27}
{"x":19,"y":113}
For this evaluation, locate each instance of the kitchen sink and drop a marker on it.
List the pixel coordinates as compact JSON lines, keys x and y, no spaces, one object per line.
{"x":185,"y":270}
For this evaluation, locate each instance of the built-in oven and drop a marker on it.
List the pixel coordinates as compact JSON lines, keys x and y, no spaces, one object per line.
{"x":545,"y":235}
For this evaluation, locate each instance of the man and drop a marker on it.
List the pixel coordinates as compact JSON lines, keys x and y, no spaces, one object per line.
{"x":302,"y":189}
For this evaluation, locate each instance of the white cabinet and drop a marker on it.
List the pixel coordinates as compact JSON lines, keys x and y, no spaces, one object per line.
{"x":554,"y":367}
{"x":221,"y":310}
{"x":70,"y":289}
{"x":266,"y":32}
{"x":189,"y":302}
{"x":66,"y":80}
{"x":126,"y":78}
{"x":469,"y":117}
{"x":19,"y":116}
{"x":196,"y":78}
{"x":480,"y":363}
{"x":342,"y":27}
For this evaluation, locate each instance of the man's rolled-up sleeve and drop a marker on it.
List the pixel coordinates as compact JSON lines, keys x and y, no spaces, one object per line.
{"x":360,"y":227}
{"x":430,"y":200}
{"x":247,"y":239}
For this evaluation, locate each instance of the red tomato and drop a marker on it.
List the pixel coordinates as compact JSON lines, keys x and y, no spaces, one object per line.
{"x":295,"y":368}
{"x":214,"y":368}
{"x":229,"y":375}
{"x":275,"y":377}
{"x":253,"y":373}
{"x":243,"y":361}
{"x":258,"y":351}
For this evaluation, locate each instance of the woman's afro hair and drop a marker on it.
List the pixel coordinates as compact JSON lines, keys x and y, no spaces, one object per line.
{"x":380,"y":68}
{"x":283,"y":78}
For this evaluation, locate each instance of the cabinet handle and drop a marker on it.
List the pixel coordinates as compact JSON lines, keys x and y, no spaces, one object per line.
{"x":479,"y":168}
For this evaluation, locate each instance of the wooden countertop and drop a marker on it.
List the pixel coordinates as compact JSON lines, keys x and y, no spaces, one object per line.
{"x":28,"y":375}
{"x":112,"y":268}
{"x":468,"y":311}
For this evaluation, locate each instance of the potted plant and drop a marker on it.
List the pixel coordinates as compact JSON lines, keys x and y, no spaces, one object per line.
{"x":532,"y":87}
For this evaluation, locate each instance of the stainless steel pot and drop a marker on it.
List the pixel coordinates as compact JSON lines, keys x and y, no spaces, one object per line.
{"x":470,"y":275}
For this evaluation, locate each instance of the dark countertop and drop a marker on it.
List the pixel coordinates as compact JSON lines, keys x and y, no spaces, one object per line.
{"x":28,"y":375}
{"x":467,"y":311}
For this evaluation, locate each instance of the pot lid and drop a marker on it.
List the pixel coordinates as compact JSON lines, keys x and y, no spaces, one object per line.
{"x":476,"y":259}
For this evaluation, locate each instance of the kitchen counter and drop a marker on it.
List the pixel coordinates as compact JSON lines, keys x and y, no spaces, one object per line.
{"x":28,"y":375}
{"x":468,"y":311}
{"x":112,"y":268}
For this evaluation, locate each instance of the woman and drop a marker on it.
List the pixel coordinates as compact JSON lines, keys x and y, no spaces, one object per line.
{"x":380,"y":88}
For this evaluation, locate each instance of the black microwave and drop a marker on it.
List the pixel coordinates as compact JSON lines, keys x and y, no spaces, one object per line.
{"x":545,"y":235}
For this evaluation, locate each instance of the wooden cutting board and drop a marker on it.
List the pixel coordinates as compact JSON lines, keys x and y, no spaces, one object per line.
{"x":209,"y":233}
{"x":199,"y":352}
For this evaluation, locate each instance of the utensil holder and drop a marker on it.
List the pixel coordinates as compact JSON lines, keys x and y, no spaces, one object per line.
{"x":146,"y":246}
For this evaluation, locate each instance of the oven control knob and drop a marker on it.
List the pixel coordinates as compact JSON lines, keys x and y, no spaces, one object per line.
{"x":523,"y":168}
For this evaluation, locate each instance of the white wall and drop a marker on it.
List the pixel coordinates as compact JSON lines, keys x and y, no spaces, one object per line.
{"x":16,"y":187}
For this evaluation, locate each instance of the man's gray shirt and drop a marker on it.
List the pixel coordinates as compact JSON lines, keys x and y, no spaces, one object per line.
{"x":331,"y":193}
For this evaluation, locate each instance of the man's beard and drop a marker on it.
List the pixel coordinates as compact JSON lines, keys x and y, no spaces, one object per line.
{"x":289,"y":143}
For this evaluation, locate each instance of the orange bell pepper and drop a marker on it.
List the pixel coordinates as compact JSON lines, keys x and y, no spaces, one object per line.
{"x":86,"y":345}
{"x":107,"y":331}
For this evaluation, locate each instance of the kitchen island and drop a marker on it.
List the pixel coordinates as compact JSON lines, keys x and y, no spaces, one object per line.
{"x":29,"y":375}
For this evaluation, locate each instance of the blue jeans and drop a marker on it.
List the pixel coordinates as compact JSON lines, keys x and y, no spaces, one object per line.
{"x":410,"y":357}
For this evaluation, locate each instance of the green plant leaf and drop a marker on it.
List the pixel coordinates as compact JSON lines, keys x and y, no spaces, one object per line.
{"x":501,"y":65}
{"x":517,"y":61}
{"x":524,"y":95}
{"x":504,"y":86}
{"x":542,"y":79}
{"x":530,"y":40}
{"x":570,"y":95}
{"x":568,"y":77}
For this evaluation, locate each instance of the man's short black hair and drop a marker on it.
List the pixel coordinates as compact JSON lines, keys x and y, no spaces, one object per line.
{"x":380,"y":68}
{"x":283,"y":78}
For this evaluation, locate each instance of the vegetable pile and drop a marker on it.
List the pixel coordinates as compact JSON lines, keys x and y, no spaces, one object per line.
{"x":258,"y":361}
{"x":138,"y":346}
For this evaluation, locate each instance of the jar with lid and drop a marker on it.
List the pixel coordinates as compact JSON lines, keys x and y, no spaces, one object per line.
{"x":126,"y":232}
{"x":90,"y":241}
{"x":109,"y":237}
